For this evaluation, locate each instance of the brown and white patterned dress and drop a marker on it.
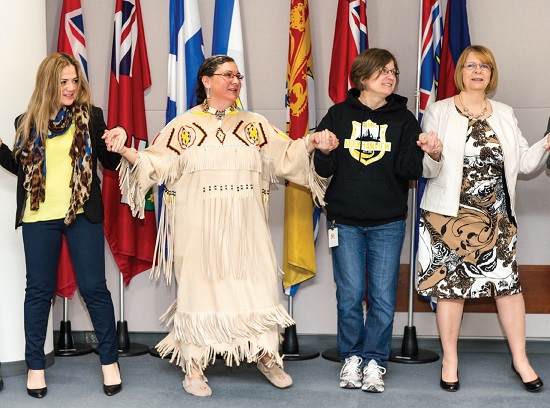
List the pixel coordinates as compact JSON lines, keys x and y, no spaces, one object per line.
{"x":472,"y":255}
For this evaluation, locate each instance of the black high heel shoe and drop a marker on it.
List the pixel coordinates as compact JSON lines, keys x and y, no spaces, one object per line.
{"x":36,"y":392}
{"x":453,"y":386}
{"x":1,"y":383}
{"x":531,"y":386}
{"x":111,"y":390}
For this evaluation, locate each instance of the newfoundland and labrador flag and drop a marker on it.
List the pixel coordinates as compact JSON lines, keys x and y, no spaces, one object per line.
{"x":228,"y":38}
{"x":185,"y":57}
{"x":132,"y":240}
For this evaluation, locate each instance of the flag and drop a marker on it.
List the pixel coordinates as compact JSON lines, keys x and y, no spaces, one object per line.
{"x":298,"y":245}
{"x":228,"y":38}
{"x":185,"y":57}
{"x":456,"y":37}
{"x":350,"y":38}
{"x":430,"y":56}
{"x":132,"y":240}
{"x":71,"y":41}
{"x":71,"y":33}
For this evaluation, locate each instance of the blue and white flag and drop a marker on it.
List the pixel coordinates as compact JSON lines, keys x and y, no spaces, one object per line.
{"x":186,"y":56}
{"x":228,"y":39}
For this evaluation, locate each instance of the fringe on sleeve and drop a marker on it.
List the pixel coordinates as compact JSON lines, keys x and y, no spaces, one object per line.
{"x":317,"y":184}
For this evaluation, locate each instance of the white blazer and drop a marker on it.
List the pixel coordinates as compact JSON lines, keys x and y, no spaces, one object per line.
{"x":442,"y":192}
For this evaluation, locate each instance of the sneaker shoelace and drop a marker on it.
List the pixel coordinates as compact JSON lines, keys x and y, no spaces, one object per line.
{"x":375,"y":371}
{"x":351,"y":368}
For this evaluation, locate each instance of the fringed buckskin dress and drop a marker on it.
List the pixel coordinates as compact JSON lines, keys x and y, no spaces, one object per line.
{"x":218,"y":168}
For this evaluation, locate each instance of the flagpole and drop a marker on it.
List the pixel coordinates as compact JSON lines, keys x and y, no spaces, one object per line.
{"x":290,"y":348}
{"x":409,"y":351}
{"x":125,"y":347}
{"x":66,"y":347}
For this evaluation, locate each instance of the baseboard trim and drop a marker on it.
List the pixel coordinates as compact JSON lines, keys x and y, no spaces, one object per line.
{"x":534,"y":279}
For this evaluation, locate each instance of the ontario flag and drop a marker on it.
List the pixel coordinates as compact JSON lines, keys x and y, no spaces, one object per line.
{"x":71,"y":41}
{"x":350,"y":38}
{"x":298,"y":242}
{"x":71,"y":33}
{"x":456,"y":37}
{"x":132,"y":240}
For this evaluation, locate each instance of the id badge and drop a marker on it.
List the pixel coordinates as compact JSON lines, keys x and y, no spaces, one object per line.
{"x":332,"y":236}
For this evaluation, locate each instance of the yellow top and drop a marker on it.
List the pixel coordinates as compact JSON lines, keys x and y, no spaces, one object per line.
{"x":59,"y":170}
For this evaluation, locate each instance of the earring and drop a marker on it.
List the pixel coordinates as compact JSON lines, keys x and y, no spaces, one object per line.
{"x":208,"y":92}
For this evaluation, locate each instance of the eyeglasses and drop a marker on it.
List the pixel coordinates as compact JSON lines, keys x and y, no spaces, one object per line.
{"x":386,"y":71}
{"x":470,"y":66}
{"x":230,"y":75}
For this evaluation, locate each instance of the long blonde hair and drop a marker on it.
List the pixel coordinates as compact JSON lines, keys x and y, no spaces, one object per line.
{"x":46,"y":96}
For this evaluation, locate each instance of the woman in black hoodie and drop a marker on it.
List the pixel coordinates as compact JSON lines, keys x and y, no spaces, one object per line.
{"x":381,"y":149}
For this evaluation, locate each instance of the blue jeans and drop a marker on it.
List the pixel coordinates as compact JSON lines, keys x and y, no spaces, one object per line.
{"x":362,"y":251}
{"x":42,"y":244}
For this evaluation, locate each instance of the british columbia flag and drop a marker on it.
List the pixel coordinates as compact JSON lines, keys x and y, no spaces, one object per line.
{"x":71,"y":33}
{"x":431,"y":32}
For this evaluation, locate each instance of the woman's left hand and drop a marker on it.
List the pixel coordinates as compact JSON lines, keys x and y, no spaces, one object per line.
{"x":547,"y":145}
{"x":115,"y":139}
{"x":430,"y":144}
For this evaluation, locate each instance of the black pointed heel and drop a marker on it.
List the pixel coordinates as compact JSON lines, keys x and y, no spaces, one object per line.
{"x":111,"y":390}
{"x":36,"y":392}
{"x":531,"y":386}
{"x":453,"y":386}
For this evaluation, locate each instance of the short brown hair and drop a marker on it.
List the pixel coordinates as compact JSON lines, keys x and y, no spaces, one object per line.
{"x":368,"y":63}
{"x":485,"y":56}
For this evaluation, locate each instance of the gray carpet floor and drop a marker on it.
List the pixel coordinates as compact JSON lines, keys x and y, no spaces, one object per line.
{"x":485,"y":376}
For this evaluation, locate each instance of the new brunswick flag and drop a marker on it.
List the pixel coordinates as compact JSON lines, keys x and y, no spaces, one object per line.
{"x":298,"y":242}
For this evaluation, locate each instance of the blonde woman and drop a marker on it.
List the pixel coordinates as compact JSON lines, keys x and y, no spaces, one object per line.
{"x":57,"y":145}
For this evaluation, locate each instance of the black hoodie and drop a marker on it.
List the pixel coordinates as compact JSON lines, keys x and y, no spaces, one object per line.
{"x":371,"y":167}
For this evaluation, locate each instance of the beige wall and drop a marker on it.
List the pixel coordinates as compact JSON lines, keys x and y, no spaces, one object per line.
{"x":516,"y":34}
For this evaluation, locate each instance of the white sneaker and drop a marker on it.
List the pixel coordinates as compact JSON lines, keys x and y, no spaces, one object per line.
{"x":372,"y":377}
{"x":351,"y":375}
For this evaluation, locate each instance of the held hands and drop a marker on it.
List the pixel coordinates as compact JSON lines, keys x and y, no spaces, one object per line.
{"x":325,"y":141}
{"x":115,"y":139}
{"x":430,"y":144}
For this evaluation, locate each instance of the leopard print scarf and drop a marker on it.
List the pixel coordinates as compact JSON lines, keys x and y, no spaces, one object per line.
{"x":33,"y":160}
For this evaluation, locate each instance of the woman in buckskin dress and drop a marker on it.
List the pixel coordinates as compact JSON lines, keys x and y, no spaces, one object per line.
{"x":467,"y":246}
{"x":218,"y":163}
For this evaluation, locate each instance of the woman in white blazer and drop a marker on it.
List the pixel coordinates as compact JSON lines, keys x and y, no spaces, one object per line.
{"x":467,"y":246}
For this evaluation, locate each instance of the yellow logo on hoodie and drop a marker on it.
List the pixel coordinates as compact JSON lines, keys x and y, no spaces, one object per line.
{"x":368,"y":142}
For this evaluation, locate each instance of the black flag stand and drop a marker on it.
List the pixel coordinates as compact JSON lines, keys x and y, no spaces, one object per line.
{"x":65,"y":346}
{"x":290,"y":349}
{"x":409,"y":352}
{"x":125,"y":347}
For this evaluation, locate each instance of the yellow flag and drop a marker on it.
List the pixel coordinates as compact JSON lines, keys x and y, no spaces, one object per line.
{"x":299,"y":249}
